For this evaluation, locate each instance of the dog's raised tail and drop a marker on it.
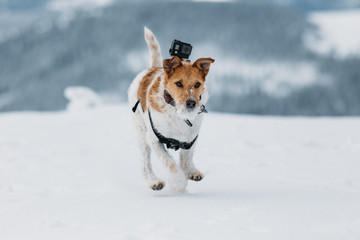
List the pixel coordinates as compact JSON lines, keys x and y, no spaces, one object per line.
{"x":154,"y":48}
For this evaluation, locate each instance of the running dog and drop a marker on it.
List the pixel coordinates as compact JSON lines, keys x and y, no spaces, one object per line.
{"x":168,"y":100}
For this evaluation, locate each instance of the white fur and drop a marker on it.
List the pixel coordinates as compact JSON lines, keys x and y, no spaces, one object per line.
{"x":154,"y":48}
{"x":170,"y":123}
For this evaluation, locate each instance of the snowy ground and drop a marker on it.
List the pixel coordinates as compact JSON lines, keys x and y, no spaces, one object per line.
{"x":76,"y":175}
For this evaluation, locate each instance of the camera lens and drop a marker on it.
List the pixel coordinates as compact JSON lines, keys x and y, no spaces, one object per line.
{"x":186,"y":49}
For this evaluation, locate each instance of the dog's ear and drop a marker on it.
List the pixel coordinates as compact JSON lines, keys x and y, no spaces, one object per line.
{"x":170,"y":65}
{"x":203,"y":64}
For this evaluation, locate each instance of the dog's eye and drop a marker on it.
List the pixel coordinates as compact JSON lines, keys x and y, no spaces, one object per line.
{"x":179,"y":84}
{"x":197,"y":85}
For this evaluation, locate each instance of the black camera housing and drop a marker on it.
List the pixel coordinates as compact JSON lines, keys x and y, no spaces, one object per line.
{"x":180,"y":49}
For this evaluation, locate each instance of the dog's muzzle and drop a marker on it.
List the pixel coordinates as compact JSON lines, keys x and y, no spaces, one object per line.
{"x":190,"y":104}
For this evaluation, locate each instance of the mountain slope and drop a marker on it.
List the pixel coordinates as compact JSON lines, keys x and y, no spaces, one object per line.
{"x":100,"y":48}
{"x":262,"y":64}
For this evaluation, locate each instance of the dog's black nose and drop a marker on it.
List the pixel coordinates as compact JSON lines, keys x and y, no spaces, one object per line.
{"x":190,"y":103}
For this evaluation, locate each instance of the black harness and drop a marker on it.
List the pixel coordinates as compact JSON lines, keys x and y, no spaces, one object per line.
{"x":170,"y":142}
{"x":136,"y":105}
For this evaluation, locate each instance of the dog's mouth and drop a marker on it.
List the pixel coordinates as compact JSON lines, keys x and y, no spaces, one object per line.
{"x":190,"y":103}
{"x":184,"y":111}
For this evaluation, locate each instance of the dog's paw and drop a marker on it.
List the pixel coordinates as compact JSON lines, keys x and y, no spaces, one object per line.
{"x":196,"y":176}
{"x":178,"y":181}
{"x":157,"y":186}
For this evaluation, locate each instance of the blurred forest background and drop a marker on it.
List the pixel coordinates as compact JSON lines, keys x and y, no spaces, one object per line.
{"x":266,"y":52}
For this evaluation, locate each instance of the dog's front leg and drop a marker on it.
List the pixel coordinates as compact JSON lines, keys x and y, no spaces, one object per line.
{"x":177,"y":178}
{"x":187,"y":165}
{"x":154,"y":182}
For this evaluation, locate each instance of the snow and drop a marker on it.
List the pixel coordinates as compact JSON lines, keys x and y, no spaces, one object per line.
{"x":277,"y":78}
{"x":238,"y":75}
{"x":81,"y":98}
{"x":76,"y":175}
{"x":69,"y":5}
{"x":338,"y":33}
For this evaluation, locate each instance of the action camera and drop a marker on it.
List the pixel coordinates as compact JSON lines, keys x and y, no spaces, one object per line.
{"x":180,"y":49}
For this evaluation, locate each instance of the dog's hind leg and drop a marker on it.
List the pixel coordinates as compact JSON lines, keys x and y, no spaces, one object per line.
{"x":177,"y":178}
{"x":187,"y":165}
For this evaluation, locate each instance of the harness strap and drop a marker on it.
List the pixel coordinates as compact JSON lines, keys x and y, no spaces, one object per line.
{"x":170,"y":142}
{"x":135,"y":106}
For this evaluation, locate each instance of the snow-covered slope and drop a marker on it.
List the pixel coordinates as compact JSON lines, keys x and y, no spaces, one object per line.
{"x":68,"y":5}
{"x":338,"y":33}
{"x":76,"y":175}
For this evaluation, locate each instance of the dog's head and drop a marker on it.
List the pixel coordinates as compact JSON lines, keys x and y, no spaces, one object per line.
{"x":185,"y":83}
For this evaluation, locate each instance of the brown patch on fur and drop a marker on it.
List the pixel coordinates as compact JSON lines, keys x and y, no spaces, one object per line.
{"x":174,"y":71}
{"x":144,"y":85}
{"x":203,"y":64}
{"x":170,"y":65}
{"x":154,"y":99}
{"x":173,"y":168}
{"x":188,"y":75}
